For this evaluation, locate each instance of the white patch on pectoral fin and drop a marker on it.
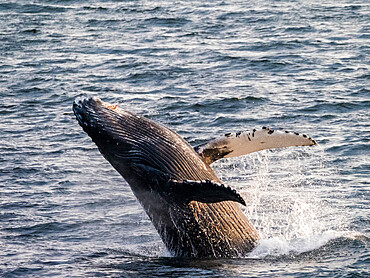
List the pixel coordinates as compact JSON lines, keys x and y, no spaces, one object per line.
{"x":249,"y":141}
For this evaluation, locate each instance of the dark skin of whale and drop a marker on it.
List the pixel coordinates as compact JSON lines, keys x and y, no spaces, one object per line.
{"x":193,"y":213}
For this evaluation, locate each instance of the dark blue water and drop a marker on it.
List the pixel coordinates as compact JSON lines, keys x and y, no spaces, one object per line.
{"x":202,"y":68}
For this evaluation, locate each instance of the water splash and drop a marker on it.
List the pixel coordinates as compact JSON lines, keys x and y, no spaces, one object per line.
{"x":288,"y":193}
{"x":277,"y":246}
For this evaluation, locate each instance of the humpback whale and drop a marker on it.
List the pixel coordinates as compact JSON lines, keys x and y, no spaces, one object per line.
{"x":195,"y":214}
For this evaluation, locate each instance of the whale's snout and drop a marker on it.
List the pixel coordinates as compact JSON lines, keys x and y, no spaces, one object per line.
{"x":80,"y":110}
{"x":85,"y":109}
{"x":79,"y":101}
{"x":82,"y":104}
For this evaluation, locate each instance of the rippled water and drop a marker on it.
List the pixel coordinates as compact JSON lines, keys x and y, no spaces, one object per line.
{"x":202,"y":68}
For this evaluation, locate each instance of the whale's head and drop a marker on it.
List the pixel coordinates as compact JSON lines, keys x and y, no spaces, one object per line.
{"x":142,"y":151}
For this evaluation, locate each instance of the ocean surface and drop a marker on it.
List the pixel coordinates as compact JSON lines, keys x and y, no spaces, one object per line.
{"x":202,"y":68}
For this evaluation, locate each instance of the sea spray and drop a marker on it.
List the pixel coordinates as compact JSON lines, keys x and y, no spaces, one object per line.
{"x":285,"y":191}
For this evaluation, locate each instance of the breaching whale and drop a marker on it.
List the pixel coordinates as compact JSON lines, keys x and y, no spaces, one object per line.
{"x":194,"y":213}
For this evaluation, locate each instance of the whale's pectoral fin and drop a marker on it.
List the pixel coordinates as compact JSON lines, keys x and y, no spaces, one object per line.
{"x":241,"y":143}
{"x":202,"y":191}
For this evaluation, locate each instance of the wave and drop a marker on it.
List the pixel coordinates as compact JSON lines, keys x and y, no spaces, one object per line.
{"x":280,"y":246}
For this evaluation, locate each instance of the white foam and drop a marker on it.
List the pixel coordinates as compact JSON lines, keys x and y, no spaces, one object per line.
{"x":278,"y":246}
